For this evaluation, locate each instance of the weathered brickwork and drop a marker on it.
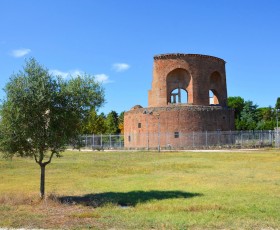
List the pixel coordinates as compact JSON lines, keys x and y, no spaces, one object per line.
{"x":200,"y":73}
{"x":168,"y":113}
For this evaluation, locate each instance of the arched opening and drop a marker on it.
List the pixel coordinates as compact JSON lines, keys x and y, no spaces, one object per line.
{"x":213,"y":97}
{"x":178,"y":84}
{"x":179,"y":96}
{"x":215,"y":87}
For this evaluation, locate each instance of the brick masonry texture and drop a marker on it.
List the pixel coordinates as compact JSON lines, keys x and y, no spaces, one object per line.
{"x":197,"y":75}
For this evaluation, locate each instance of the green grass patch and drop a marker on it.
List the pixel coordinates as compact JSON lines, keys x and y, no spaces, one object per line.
{"x":144,"y":190}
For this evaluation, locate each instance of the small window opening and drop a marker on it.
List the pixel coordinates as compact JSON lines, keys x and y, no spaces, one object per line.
{"x":179,"y":96}
{"x":129,"y":139}
{"x":213,"y":97}
{"x":176,"y":135}
{"x":139,"y":125}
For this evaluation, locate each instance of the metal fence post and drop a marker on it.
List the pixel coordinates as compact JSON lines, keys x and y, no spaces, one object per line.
{"x":230,"y":136}
{"x":241,"y":138}
{"x":101,"y":141}
{"x":193,"y":139}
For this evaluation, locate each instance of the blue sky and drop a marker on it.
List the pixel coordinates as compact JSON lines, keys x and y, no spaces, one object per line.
{"x":116,"y":41}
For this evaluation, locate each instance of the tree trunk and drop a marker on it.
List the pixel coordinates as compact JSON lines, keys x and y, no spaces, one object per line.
{"x":42,"y":183}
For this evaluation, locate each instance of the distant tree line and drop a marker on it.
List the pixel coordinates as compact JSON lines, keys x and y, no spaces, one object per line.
{"x":248,"y":116}
{"x":112,"y":123}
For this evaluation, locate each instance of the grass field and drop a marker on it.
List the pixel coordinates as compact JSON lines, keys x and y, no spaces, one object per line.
{"x":144,"y":190}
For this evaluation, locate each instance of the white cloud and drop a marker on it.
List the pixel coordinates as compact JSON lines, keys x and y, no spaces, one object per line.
{"x":120,"y":67}
{"x":103,"y":78}
{"x":71,"y":73}
{"x":20,"y":52}
{"x":76,"y":73}
{"x":56,"y":72}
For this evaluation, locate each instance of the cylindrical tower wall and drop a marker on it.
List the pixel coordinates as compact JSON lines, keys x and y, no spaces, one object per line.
{"x":167,"y":120}
{"x":147,"y":123}
{"x":201,"y":68}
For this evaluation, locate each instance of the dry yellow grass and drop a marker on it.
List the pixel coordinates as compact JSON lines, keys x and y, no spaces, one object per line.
{"x":144,"y":190}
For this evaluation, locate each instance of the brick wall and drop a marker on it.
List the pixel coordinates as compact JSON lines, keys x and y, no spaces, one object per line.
{"x":170,"y":119}
{"x":197,"y":74}
{"x":200,"y":68}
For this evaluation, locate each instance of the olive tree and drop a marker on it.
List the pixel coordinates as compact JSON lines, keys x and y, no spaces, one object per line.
{"x":42,"y":113}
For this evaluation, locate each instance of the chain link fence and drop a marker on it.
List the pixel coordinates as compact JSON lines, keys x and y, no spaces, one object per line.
{"x":192,"y":140}
{"x":99,"y":142}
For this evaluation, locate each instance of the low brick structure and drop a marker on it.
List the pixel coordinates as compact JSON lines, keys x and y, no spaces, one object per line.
{"x":188,"y":94}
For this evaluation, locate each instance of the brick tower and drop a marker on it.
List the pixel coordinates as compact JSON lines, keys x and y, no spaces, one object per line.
{"x":188,"y":94}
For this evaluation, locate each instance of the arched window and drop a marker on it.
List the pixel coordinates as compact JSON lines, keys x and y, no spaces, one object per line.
{"x":215,"y":86}
{"x":179,"y":96}
{"x":177,"y":86}
{"x":213,"y":97}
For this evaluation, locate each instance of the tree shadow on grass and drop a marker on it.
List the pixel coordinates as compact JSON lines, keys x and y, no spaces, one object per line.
{"x":125,"y":199}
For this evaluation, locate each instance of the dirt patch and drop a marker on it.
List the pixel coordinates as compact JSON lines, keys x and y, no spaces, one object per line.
{"x":33,"y":213}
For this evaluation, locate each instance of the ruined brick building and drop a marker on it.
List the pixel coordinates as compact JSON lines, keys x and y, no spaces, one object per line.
{"x":188,"y":94}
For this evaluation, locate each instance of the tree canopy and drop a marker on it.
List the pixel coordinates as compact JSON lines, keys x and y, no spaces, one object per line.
{"x":42,"y":114}
{"x":236,"y":103}
{"x":249,"y":117}
{"x":121,"y":122}
{"x":94,"y":123}
{"x":112,"y":123}
{"x":277,"y":105}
